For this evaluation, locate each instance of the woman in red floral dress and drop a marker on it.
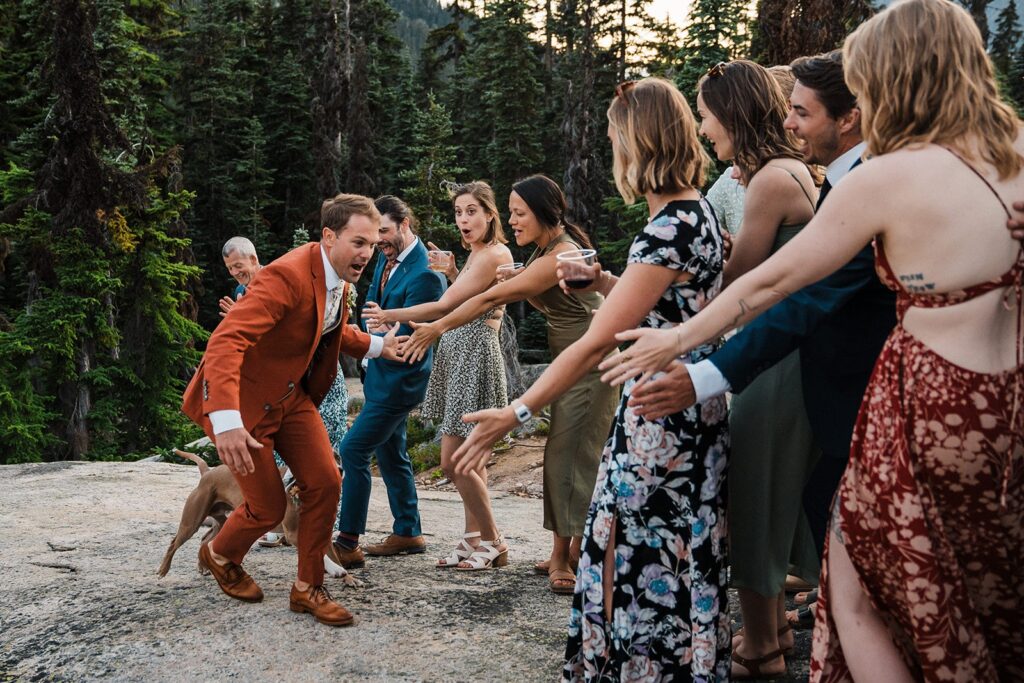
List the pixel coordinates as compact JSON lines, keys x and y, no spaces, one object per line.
{"x":924,"y":571}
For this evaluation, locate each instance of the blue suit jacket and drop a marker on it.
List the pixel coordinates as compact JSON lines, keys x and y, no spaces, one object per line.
{"x":411,"y":282}
{"x":839,"y":324}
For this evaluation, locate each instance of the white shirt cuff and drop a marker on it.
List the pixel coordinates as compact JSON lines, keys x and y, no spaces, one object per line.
{"x":376,"y":347}
{"x":224,"y":420}
{"x":708,"y":381}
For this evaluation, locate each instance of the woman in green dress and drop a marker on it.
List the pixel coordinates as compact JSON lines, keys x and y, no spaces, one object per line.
{"x":581,"y":419}
{"x":742,"y":110}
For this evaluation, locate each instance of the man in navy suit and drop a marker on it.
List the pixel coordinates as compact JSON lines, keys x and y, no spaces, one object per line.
{"x":392,"y":390}
{"x":839,"y":323}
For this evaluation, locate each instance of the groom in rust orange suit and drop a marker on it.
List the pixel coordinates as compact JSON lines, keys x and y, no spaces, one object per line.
{"x":266,"y":368}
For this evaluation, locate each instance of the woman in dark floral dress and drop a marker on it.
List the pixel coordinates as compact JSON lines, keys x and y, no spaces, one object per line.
{"x":650,"y":601}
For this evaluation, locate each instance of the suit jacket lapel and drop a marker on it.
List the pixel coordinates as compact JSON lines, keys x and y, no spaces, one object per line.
{"x":398,"y":273}
{"x":316,"y":267}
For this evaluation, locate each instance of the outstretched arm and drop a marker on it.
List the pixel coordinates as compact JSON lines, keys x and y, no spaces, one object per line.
{"x":635,"y":294}
{"x":534,"y":279}
{"x":844,"y":225}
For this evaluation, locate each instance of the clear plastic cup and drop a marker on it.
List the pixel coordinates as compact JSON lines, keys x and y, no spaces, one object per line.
{"x":577,"y":267}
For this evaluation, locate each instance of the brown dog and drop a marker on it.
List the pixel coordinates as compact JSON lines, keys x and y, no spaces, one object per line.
{"x":215,"y":496}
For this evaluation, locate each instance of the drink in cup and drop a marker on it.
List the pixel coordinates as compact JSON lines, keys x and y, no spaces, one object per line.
{"x":506,"y":270}
{"x":439,"y":260}
{"x":577,"y":267}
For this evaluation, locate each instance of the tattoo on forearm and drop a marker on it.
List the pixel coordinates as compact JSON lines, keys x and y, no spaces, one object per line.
{"x":915,"y":283}
{"x":748,"y":311}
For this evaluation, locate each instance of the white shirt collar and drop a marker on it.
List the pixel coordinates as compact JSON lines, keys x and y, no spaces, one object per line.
{"x":408,"y":249}
{"x":838,"y":169}
{"x":331,"y":278}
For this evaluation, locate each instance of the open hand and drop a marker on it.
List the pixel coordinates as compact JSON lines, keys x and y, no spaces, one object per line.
{"x":653,"y":351}
{"x":393,"y":345}
{"x":375,"y":316}
{"x":491,"y":425}
{"x":226,"y":303}
{"x":423,"y":337}
{"x":233,"y":450}
{"x":665,"y":395}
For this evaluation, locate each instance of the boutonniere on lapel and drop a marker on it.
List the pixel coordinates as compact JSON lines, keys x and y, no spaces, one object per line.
{"x":350,"y":301}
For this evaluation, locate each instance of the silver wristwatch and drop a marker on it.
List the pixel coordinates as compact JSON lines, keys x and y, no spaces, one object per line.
{"x":523,"y":413}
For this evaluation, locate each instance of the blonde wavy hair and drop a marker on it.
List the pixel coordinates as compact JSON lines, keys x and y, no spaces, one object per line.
{"x":921,"y":75}
{"x":658,"y":149}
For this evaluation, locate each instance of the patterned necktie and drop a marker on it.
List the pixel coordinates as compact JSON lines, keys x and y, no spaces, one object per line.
{"x":331,"y":308}
{"x":388,"y":267}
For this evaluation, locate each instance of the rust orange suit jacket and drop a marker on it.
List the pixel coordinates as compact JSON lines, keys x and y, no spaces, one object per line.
{"x":270,"y":343}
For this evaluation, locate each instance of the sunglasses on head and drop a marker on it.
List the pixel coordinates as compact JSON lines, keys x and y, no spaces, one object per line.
{"x":717,"y":70}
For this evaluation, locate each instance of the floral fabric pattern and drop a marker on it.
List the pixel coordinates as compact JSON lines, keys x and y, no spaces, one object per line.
{"x":931,"y":509}
{"x":660,"y":498}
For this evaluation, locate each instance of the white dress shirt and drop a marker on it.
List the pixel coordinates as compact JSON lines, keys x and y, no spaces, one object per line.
{"x":708,"y":380}
{"x":225,"y":420}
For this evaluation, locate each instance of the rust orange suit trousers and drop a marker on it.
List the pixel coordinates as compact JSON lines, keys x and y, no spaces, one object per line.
{"x":295,"y":429}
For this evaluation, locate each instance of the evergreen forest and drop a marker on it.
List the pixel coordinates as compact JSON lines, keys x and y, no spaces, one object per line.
{"x":137,"y":136}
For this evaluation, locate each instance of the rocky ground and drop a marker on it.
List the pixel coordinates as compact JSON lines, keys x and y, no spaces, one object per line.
{"x":80,"y":598}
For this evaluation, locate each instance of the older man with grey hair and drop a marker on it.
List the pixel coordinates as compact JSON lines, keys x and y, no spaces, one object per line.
{"x":242,"y":263}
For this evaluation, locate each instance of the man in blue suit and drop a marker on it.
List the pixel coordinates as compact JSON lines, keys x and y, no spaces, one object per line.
{"x":391,"y":389}
{"x":839,"y":323}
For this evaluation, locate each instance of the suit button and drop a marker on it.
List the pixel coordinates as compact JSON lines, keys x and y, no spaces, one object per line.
{"x":266,"y":406}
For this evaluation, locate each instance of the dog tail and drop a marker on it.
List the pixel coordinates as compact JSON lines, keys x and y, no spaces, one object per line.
{"x":203,"y":467}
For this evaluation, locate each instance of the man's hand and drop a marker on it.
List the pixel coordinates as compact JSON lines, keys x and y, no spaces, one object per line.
{"x":1016,"y":225}
{"x":233,"y":449}
{"x":392,"y":342}
{"x":666,"y":395}
{"x":226,"y":304}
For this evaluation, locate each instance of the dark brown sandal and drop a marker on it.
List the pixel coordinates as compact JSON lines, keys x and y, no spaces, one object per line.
{"x":783,"y":630}
{"x":753,"y":666}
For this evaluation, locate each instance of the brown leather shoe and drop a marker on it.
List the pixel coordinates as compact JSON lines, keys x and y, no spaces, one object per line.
{"x":318,"y":602}
{"x":231,"y":578}
{"x":398,"y":545}
{"x":349,"y":559}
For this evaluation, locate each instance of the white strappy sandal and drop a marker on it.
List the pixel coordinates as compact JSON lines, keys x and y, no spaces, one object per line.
{"x":486,"y":556}
{"x":462,"y":552}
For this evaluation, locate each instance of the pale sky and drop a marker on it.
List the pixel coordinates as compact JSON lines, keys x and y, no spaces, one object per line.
{"x":674,"y":9}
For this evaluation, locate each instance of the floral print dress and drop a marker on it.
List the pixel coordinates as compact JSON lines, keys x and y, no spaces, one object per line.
{"x":660,"y":498}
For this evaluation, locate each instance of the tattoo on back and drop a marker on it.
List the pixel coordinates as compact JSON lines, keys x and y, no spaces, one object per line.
{"x":916,"y":284}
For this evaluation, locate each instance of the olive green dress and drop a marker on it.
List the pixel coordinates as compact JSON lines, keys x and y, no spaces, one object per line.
{"x":773,"y":453}
{"x":580,"y":419}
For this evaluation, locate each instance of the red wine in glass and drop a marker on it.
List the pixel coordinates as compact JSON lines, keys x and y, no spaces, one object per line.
{"x":579,"y":284}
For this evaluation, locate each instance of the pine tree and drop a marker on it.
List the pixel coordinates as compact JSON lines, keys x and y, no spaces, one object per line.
{"x":787,"y":29}
{"x":1007,"y":38}
{"x":425,"y":182}
{"x":715,"y":32}
{"x":979,"y":11}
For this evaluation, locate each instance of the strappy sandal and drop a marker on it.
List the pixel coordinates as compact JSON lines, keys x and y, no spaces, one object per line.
{"x":753,"y":666}
{"x":783,"y":630}
{"x":542,"y":567}
{"x":567,"y":579}
{"x":462,"y":552}
{"x":485,"y":556}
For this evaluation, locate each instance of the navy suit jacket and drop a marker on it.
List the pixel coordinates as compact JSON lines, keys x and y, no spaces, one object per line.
{"x":411,"y":282}
{"x":839,"y":324}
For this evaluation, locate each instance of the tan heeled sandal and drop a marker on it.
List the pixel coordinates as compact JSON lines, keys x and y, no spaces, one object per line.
{"x":486,"y":556}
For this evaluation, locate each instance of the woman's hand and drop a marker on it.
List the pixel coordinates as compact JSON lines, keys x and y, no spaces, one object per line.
{"x":599,"y":280}
{"x":375,"y":316}
{"x":451,"y":272}
{"x":491,"y":425}
{"x":654,"y":350}
{"x":503,"y":272}
{"x":423,"y":337}
{"x":226,"y":303}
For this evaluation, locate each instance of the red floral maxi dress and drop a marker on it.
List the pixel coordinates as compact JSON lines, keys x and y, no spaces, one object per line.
{"x":931,"y":506}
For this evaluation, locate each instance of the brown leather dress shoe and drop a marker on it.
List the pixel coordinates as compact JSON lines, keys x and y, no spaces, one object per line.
{"x":349,"y":559}
{"x":398,"y":545}
{"x":318,"y":602}
{"x":231,"y":578}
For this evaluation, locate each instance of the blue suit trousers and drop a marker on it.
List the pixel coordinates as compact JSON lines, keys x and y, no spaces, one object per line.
{"x":379,"y":428}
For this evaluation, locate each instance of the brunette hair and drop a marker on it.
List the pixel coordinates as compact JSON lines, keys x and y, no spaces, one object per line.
{"x":922,"y":76}
{"x":483,"y":193}
{"x":658,"y":149}
{"x":336,"y":212}
{"x":547,"y":202}
{"x":783,"y":75}
{"x":394,"y":208}
{"x":824,"y":75}
{"x":749,"y":103}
